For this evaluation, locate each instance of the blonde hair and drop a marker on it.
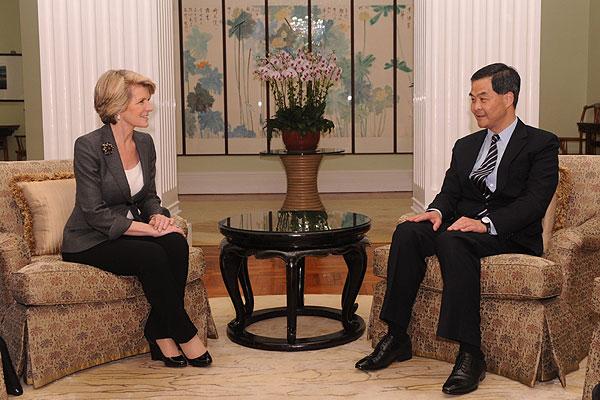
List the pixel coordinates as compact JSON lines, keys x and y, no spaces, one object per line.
{"x":112,"y":92}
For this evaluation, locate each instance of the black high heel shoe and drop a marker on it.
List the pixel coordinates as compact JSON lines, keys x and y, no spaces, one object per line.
{"x":171,"y":362}
{"x":202,"y":361}
{"x":11,"y":380}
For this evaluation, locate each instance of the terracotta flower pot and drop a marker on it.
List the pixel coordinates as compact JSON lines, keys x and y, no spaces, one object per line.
{"x":295,"y":141}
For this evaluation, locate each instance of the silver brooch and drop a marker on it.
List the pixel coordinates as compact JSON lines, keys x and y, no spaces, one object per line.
{"x":107,"y":148}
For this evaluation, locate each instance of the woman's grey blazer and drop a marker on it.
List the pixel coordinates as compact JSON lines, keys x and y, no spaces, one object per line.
{"x":103,"y":197}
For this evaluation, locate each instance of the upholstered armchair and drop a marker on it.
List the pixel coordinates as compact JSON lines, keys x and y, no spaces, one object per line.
{"x":535,"y":318}
{"x":3,"y":395}
{"x":58,"y":317}
{"x":592,"y":377}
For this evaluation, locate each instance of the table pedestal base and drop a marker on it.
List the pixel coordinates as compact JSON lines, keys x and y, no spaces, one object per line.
{"x":340,"y":337}
{"x":234,"y":270}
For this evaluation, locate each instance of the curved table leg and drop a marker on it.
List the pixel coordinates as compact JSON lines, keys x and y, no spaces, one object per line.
{"x":244,"y":278}
{"x":356,"y":261}
{"x":231,"y":262}
{"x":301,"y":275}
{"x":234,"y":269}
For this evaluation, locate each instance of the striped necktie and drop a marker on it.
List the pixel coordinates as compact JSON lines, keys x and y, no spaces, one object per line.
{"x":478,"y":176}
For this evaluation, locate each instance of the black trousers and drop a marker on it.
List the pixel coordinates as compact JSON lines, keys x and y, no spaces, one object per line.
{"x":161,"y":265}
{"x":459,"y":254}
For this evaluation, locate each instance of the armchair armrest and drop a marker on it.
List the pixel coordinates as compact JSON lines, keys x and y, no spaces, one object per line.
{"x":182,"y":223}
{"x":14,"y":255}
{"x":570,"y":248}
{"x":589,"y":231}
{"x":596,"y":296}
{"x":582,"y":237}
{"x":404,"y":217}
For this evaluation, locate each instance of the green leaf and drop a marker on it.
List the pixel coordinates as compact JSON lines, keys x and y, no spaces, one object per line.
{"x":374,"y":20}
{"x":403,"y":67}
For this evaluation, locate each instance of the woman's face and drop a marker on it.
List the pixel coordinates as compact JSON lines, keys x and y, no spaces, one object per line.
{"x":138,"y":110}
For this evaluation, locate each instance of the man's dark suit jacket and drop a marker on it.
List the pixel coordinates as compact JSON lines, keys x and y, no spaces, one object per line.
{"x":103,"y":197}
{"x":526,"y":180}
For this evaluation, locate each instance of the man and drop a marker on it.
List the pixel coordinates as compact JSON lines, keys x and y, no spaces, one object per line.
{"x":493,"y":198}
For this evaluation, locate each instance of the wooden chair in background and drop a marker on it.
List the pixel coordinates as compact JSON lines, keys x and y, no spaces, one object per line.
{"x":588,"y":141}
{"x":21,"y":150}
{"x":589,"y":132}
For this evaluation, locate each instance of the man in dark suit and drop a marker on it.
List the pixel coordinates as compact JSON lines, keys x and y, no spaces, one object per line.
{"x":493,"y":198}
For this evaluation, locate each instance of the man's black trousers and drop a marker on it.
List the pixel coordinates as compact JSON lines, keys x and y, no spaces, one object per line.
{"x":459,"y":254}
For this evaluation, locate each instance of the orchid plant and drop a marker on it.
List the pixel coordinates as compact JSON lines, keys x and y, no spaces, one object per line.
{"x":299,"y":84}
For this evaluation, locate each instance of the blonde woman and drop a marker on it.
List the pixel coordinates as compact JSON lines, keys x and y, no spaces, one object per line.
{"x":118,"y":224}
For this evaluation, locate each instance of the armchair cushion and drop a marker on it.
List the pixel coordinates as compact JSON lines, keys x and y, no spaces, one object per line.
{"x":46,"y":202}
{"x":509,"y":276}
{"x":50,"y":281}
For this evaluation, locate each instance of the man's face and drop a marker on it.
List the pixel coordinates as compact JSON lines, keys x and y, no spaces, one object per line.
{"x":491,"y":110}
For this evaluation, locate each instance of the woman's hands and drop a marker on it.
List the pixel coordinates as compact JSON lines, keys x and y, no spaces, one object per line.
{"x":158,"y":226}
{"x":160,"y":222}
{"x":163,"y":225}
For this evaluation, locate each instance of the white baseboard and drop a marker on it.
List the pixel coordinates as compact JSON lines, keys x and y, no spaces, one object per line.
{"x":417,"y":207}
{"x":173,"y":208}
{"x":274,"y":182}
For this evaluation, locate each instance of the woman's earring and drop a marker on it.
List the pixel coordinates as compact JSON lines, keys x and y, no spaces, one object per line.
{"x":118,"y":117}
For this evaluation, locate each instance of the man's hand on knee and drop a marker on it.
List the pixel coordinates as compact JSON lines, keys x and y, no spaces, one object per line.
{"x":465,"y":224}
{"x":432,"y":216}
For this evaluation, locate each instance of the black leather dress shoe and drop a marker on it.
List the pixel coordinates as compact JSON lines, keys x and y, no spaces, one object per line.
{"x":11,"y":379}
{"x":203,"y":361}
{"x":389,"y":349}
{"x":468,"y":371}
{"x":171,"y":362}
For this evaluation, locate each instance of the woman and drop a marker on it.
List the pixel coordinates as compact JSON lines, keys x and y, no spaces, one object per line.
{"x":118,"y":224}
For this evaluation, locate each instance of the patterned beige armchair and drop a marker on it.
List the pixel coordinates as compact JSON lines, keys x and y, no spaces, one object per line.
{"x":3,"y":395}
{"x":592,"y":377}
{"x":58,"y":317}
{"x":535,"y":318}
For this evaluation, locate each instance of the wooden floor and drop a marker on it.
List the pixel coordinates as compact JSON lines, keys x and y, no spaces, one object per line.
{"x":324,"y":275}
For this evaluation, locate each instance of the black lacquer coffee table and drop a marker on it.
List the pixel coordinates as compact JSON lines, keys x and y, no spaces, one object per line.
{"x":292,"y":236}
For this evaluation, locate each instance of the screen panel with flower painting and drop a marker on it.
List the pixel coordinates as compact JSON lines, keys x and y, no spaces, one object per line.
{"x":405,"y":78}
{"x":331,"y":34}
{"x":288,"y":21}
{"x":374,"y":75}
{"x":202,"y":77}
{"x":245,"y":41}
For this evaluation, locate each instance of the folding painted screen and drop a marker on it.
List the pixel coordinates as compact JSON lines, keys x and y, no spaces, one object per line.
{"x":225,"y":107}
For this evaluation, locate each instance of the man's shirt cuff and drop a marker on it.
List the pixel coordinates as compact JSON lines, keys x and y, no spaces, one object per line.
{"x":436,"y":210}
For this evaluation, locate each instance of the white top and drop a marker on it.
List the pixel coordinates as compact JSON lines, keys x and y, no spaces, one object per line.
{"x":135,"y":178}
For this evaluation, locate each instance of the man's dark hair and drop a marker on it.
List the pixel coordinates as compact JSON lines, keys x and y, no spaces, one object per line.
{"x":504,"y":79}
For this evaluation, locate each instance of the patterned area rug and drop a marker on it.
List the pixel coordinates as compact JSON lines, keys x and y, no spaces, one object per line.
{"x":243,"y":373}
{"x":205,"y":214}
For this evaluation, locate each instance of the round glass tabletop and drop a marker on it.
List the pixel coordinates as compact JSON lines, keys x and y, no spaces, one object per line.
{"x":283,"y":152}
{"x":295,"y":221}
{"x":294,"y":229}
